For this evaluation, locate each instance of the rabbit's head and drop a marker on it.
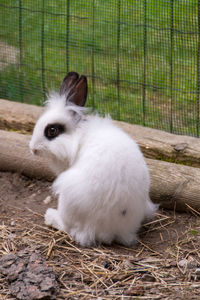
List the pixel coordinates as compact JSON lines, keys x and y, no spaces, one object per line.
{"x":53,"y":135}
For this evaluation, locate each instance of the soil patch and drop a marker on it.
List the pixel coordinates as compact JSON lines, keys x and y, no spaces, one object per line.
{"x":165,"y":264}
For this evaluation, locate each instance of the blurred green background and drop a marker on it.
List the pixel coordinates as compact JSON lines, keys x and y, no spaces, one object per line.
{"x":141,"y":57}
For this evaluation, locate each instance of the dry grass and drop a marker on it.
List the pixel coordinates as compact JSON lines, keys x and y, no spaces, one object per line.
{"x":149,"y":270}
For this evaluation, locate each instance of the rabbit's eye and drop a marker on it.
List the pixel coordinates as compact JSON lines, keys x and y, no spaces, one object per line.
{"x":53,"y":130}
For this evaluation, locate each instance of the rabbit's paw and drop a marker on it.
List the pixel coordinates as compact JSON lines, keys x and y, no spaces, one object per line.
{"x":84,"y":239}
{"x":128,"y":239}
{"x":52,"y":218}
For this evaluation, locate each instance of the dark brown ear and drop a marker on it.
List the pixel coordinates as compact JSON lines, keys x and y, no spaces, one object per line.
{"x":78,"y":94}
{"x":75,"y":88}
{"x":68,"y":82}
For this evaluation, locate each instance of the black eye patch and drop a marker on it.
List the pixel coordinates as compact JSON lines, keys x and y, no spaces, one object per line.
{"x":53,"y":130}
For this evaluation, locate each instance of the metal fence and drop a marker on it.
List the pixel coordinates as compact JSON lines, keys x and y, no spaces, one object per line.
{"x":142,"y":57}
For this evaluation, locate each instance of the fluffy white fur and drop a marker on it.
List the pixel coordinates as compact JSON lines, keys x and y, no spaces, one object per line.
{"x":103,"y":181}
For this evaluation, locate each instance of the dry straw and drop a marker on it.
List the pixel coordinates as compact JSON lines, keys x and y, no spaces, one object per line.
{"x":146,"y":271}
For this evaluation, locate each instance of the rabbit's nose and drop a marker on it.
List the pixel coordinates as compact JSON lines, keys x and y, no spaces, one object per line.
{"x":34,"y":151}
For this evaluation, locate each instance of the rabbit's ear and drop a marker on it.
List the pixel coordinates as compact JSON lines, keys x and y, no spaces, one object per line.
{"x":78,"y":94}
{"x":75,"y":88}
{"x":68,"y":82}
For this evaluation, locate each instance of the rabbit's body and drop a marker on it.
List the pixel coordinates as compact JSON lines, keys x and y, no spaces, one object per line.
{"x":103,"y":180}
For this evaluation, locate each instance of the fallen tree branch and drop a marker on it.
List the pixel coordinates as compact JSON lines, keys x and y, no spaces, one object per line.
{"x":165,"y":146}
{"x":154,"y":143}
{"x":18,"y":116}
{"x":172,"y":185}
{"x":16,"y":157}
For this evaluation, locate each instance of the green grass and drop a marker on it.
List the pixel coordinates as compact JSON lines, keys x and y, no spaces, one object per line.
{"x":170,"y":102}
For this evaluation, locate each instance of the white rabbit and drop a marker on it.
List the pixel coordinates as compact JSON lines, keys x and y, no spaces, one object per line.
{"x":102,"y":178}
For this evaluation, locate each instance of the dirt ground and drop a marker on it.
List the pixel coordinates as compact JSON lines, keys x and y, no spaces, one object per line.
{"x":164,"y":264}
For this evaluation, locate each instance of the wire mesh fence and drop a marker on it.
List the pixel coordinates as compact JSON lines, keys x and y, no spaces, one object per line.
{"x":142,"y":58}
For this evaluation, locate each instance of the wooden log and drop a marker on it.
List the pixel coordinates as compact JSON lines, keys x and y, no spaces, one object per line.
{"x":165,"y":146}
{"x":16,"y":157}
{"x":18,"y":116}
{"x":172,"y":185}
{"x":154,"y":143}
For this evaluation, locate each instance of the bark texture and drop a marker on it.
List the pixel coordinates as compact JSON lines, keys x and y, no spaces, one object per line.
{"x":154,"y":143}
{"x":29,"y":276}
{"x":15,"y":156}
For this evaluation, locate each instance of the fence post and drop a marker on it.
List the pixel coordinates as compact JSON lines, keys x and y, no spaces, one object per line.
{"x":42,"y":54}
{"x":198,"y":73}
{"x":144,"y":62}
{"x":171,"y":63}
{"x":67,"y":36}
{"x":20,"y":53}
